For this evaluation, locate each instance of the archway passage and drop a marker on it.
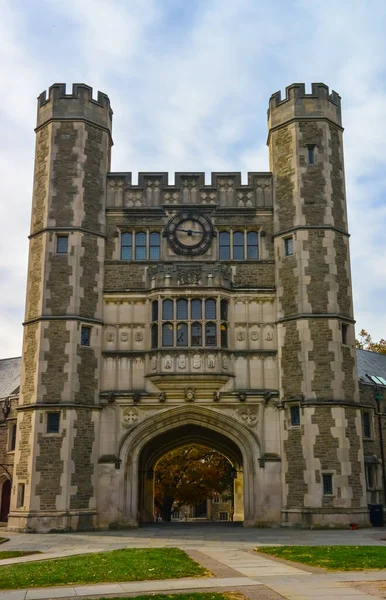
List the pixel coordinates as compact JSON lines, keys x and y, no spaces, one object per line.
{"x":190,"y":436}
{"x":193,"y":482}
{"x":5,"y":500}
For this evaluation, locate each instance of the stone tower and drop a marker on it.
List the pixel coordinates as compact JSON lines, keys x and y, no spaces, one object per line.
{"x":316,"y":344}
{"x":56,"y":448}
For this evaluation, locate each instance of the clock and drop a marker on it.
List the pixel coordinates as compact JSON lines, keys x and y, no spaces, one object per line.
{"x":189,"y":233}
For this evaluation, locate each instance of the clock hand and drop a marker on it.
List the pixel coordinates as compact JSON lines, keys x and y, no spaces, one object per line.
{"x":190,"y":231}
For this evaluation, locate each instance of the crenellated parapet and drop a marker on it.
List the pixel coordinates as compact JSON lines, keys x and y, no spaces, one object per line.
{"x":224,"y":189}
{"x":297,"y":104}
{"x":79,"y":105}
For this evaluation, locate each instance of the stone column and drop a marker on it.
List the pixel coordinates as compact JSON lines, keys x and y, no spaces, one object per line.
{"x":54,"y":484}
{"x":316,"y":337}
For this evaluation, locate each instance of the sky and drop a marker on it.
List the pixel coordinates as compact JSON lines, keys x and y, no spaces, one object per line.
{"x":189,"y":83}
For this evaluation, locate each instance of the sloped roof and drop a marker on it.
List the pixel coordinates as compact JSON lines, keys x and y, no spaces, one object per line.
{"x":9,"y":376}
{"x":370,"y":363}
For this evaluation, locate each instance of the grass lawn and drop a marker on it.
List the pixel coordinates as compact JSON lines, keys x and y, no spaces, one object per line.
{"x":334,"y":558}
{"x":15,"y":553}
{"x":102,"y":567}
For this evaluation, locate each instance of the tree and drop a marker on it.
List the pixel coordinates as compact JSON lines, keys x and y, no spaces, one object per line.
{"x":189,"y":475}
{"x":365,"y":342}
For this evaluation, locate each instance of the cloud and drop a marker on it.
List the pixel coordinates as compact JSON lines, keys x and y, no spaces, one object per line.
{"x":189,"y":83}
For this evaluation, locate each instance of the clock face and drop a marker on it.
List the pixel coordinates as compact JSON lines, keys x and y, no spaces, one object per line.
{"x":189,"y":233}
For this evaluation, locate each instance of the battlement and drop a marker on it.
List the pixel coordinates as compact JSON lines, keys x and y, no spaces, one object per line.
{"x":79,"y":104}
{"x":155,"y":189}
{"x":298,"y":104}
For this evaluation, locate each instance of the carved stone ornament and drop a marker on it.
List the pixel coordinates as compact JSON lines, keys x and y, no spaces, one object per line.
{"x":136,"y":397}
{"x":188,"y":275}
{"x":254,"y":335}
{"x":216,"y":396}
{"x":211,"y":361}
{"x":6,"y":408}
{"x":110,"y":336}
{"x":248,"y":416}
{"x":190,"y":394}
{"x":241,"y":336}
{"x":139,"y":336}
{"x":225,"y":363}
{"x":196,"y":361}
{"x":182,"y":361}
{"x":269,"y":336}
{"x":153,"y":363}
{"x":124,"y":336}
{"x":130,"y":417}
{"x":168,"y":363}
{"x":242,"y":396}
{"x":162,"y":397}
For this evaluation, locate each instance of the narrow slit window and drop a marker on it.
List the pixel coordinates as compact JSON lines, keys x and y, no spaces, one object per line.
{"x":224,"y":310}
{"x":182,"y":334}
{"x":344,"y":333}
{"x":53,"y":422}
{"x":289,"y":246}
{"x":154,"y":336}
{"x":224,"y":245}
{"x":167,"y":334}
{"x":12,"y":444}
{"x":140,"y":245}
{"x":210,"y":334}
{"x":327,"y":484}
{"x":85,"y":336}
{"x":224,"y":335}
{"x":126,"y":246}
{"x":295,"y":415}
{"x":20,"y":495}
{"x":155,"y":246}
{"x":252,"y":245}
{"x":311,"y":153}
{"x":196,"y":334}
{"x":210,"y":309}
{"x":238,"y":245}
{"x":366,"y":421}
{"x":154,"y":310}
{"x":196,"y":309}
{"x":167,"y":310}
{"x":62,"y":244}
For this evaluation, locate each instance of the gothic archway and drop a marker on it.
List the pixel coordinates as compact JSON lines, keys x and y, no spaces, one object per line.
{"x":5,"y":499}
{"x":143,"y":445}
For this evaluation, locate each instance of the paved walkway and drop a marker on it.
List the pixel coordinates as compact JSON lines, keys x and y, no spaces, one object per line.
{"x":256,"y":576}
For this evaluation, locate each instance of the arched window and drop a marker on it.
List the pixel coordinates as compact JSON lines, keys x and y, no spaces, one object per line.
{"x":238,"y":245}
{"x":154,"y":336}
{"x":196,"y":334}
{"x":224,"y":310}
{"x":140,"y":245}
{"x":167,"y":334}
{"x":210,"y":334}
{"x":154,"y":310}
{"x":224,"y":335}
{"x":252,"y":245}
{"x":210,"y":308}
{"x":126,"y":246}
{"x":182,"y":308}
{"x":182,"y":334}
{"x":196,"y":309}
{"x":224,"y":245}
{"x":167,"y":309}
{"x":154,"y":246}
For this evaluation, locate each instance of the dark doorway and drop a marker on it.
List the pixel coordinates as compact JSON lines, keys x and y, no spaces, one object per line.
{"x":5,"y":500}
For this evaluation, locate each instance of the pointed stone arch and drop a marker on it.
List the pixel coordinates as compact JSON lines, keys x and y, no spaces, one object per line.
{"x":234,"y":439}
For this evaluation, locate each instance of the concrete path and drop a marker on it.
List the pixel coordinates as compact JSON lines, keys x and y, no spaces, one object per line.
{"x":256,"y":576}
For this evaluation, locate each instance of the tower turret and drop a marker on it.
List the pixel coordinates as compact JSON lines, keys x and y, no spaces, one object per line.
{"x":58,"y":412}
{"x":323,"y":480}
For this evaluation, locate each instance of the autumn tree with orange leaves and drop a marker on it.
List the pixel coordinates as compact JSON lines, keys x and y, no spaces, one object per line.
{"x":188,"y":476}
{"x":365,"y":342}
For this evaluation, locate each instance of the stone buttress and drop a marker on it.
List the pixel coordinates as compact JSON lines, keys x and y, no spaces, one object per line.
{"x":316,"y":339}
{"x":54,"y":482}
